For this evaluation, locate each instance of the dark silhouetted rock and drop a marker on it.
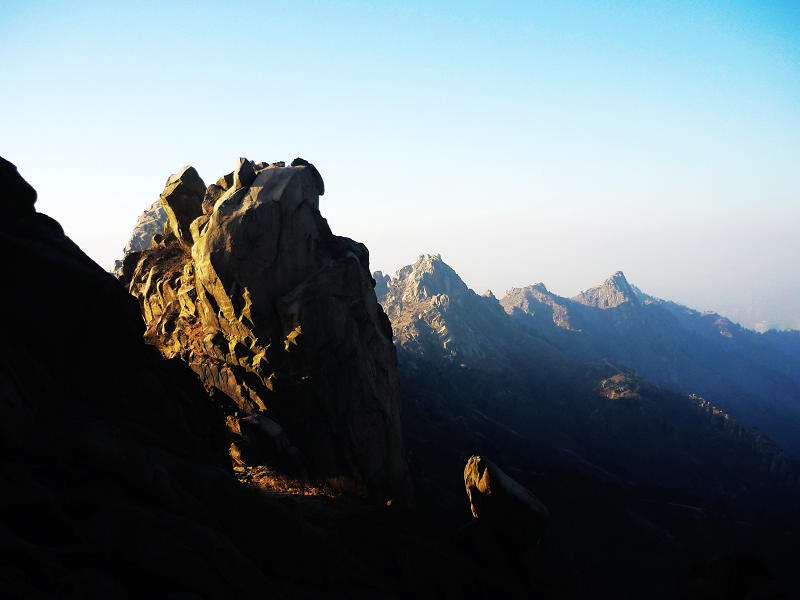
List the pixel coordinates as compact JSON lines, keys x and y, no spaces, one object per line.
{"x":18,"y":197}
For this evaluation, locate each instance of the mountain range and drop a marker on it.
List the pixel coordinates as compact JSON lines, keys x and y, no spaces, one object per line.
{"x":244,"y":409}
{"x":754,"y":377}
{"x":612,"y":397}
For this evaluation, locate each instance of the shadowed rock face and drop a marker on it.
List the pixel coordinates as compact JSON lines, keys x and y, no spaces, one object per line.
{"x":18,"y":195}
{"x":278,"y":316}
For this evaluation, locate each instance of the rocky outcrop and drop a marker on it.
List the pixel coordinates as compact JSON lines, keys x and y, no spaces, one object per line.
{"x":279,"y":318}
{"x":150,"y":223}
{"x":497,"y":499}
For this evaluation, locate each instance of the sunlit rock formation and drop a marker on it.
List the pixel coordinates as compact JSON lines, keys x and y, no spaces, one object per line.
{"x":279,"y":318}
{"x":502,"y":504}
{"x":497,"y":499}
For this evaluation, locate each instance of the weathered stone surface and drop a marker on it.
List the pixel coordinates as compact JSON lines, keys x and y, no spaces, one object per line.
{"x":497,"y":499}
{"x":182,"y":200}
{"x":279,"y":316}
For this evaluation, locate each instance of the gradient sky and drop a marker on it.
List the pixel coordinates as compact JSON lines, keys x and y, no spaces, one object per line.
{"x":525,"y":142}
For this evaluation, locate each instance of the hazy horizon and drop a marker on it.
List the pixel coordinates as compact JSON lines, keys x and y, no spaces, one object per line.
{"x":524,"y":143}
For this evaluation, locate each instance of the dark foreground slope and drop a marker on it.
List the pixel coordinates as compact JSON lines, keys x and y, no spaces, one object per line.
{"x":652,"y":493}
{"x":115,"y":475}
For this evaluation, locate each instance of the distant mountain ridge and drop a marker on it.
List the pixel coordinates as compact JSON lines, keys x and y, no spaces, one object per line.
{"x":754,"y":377}
{"x":613,"y":455}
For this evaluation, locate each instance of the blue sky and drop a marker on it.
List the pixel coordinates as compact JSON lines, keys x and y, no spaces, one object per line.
{"x":525,"y":142}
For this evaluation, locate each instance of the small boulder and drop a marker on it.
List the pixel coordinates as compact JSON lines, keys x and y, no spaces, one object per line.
{"x":501,"y":502}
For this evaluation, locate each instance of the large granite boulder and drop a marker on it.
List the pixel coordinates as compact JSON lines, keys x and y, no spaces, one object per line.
{"x":278,"y":317}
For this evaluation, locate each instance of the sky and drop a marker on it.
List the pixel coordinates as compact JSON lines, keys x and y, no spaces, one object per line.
{"x":524,"y":141}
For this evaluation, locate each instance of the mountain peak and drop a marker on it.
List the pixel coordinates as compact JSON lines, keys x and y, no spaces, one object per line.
{"x":613,"y":292}
{"x":540,"y":287}
{"x":430,"y":276}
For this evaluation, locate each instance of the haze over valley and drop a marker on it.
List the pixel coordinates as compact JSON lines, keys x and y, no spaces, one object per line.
{"x":524,"y":143}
